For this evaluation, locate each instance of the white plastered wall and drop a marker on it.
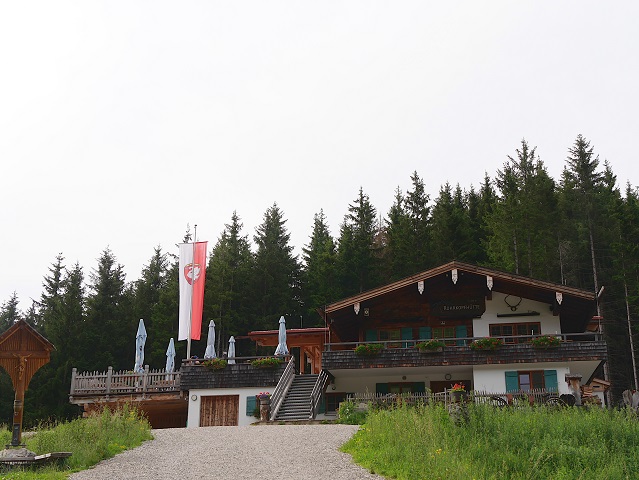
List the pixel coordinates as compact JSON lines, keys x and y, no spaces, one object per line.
{"x":492,"y":378}
{"x":549,"y":323}
{"x":195,"y":396}
{"x":352,"y":383}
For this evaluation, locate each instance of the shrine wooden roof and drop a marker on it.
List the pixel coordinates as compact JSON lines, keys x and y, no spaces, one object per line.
{"x":23,"y":351}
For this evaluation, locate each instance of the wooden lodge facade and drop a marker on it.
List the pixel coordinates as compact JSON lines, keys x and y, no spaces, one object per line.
{"x":457,"y":304}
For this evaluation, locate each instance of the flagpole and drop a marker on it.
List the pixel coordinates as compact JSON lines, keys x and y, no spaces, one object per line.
{"x":188,"y":339}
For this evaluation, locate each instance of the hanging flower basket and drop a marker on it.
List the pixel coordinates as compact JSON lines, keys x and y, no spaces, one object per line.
{"x":458,"y":393}
{"x":486,"y":344}
{"x":545,"y":341}
{"x":368,"y":349}
{"x":431,"y":346}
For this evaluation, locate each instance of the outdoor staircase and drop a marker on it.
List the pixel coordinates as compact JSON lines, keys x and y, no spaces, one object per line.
{"x":296,"y":403}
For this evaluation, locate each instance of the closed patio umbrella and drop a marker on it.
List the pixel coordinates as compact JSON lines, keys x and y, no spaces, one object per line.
{"x":231,"y":359}
{"x":140,"y":340}
{"x":210,"y":341}
{"x":281,"y":349}
{"x":170,"y":357}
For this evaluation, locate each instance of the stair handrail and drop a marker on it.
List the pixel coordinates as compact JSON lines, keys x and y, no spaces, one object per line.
{"x":282,"y":387}
{"x":316,"y":394}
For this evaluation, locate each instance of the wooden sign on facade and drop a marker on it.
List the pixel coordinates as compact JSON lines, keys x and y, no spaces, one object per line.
{"x":23,"y":351}
{"x":458,"y":308}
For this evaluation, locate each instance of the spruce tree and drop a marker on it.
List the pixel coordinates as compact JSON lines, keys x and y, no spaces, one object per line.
{"x":277,"y":272}
{"x":109,"y":336}
{"x":451,"y":233}
{"x":358,"y":253}
{"x":400,"y":250}
{"x":146,"y":298}
{"x":418,"y":212}
{"x":228,"y":294}
{"x":522,"y":239}
{"x":9,"y":312}
{"x":318,"y":279}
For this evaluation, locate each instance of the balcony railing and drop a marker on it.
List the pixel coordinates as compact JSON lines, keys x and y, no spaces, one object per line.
{"x":573,"y":347}
{"x":452,"y":342}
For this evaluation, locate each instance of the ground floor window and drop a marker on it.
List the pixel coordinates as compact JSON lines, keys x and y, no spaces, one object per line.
{"x":526,"y":380}
{"x":400,"y":387}
{"x":531,"y":380}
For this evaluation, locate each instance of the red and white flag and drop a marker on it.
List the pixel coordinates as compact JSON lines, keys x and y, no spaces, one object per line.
{"x":192,"y":275}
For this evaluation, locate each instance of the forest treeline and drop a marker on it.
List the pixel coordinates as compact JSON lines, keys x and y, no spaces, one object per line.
{"x":580,"y":230}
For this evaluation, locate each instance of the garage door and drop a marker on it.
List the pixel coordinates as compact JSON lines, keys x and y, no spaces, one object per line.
{"x":219,"y":410}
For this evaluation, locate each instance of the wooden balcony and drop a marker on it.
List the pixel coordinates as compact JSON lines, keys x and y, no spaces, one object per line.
{"x":574,"y":347}
{"x":90,"y":384}
{"x":154,"y":392}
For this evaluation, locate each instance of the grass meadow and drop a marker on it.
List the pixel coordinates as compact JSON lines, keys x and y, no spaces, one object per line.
{"x":499,"y":443}
{"x":91,"y":440}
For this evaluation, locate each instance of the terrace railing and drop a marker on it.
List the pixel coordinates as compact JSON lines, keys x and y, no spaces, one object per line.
{"x":282,"y":387}
{"x":123,"y":382}
{"x":316,"y":394}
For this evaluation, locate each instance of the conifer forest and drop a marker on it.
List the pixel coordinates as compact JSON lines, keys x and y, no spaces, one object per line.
{"x":581,"y":230}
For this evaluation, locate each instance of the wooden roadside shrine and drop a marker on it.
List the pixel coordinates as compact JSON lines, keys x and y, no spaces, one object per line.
{"x":23,"y":351}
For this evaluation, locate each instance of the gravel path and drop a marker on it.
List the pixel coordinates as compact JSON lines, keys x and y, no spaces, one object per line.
{"x":266,"y":451}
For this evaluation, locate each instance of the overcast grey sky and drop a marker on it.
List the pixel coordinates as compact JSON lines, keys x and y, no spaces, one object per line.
{"x":122,"y":121}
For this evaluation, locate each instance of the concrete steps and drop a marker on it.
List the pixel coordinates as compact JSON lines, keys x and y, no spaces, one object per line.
{"x":296,"y":404}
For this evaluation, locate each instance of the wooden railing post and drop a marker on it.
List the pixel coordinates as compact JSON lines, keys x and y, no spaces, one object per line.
{"x":108,"y":380}
{"x":145,"y":378}
{"x":74,"y":372}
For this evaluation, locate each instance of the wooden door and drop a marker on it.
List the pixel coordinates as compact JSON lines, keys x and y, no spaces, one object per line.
{"x":219,"y":410}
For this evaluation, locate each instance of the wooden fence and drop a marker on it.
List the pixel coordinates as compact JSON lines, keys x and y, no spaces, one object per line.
{"x":529,"y":397}
{"x":123,"y":382}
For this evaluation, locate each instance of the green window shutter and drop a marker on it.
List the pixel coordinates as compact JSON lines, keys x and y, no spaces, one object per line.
{"x":425,"y":333}
{"x":550,"y":380}
{"x":461,"y":332}
{"x":251,"y":403}
{"x":419,"y":387}
{"x":381,"y":388}
{"x":407,"y":334}
{"x":370,"y":335}
{"x":512,"y":381}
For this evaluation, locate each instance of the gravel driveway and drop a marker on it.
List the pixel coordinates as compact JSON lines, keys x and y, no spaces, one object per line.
{"x":264,"y":451}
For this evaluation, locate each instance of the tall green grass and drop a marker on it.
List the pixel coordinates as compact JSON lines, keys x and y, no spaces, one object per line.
{"x":91,"y":440}
{"x":528,"y":443}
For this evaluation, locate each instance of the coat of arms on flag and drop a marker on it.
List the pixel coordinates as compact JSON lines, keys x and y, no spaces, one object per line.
{"x":193,"y":268}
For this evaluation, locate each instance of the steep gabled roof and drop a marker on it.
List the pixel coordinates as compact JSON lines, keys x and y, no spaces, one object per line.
{"x":401,"y":300}
{"x":500,"y":278}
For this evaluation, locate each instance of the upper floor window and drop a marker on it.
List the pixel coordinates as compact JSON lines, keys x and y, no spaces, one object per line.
{"x":515,"y":329}
{"x":445,"y":332}
{"x":390,"y":335}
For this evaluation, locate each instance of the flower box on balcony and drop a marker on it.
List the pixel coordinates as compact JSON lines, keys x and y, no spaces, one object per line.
{"x":368,"y":349}
{"x":269,"y":362}
{"x":214,"y":364}
{"x":545,"y":341}
{"x":486,"y":344}
{"x":431,"y":346}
